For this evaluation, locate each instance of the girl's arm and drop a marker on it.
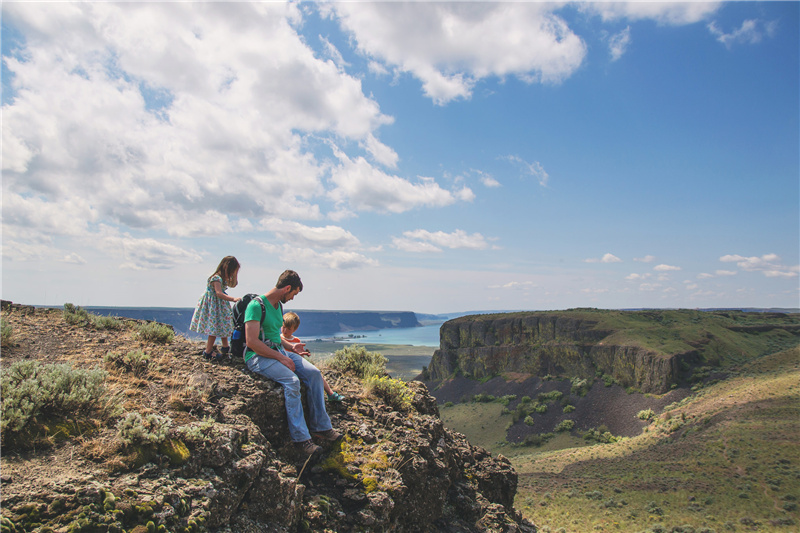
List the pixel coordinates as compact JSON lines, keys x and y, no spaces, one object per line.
{"x":221,"y":295}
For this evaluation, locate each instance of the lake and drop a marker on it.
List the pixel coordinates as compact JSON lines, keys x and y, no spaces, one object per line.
{"x":180,"y":317}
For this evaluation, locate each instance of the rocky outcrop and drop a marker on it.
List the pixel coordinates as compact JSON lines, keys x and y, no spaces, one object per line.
{"x":547,"y":344}
{"x":227,"y":464}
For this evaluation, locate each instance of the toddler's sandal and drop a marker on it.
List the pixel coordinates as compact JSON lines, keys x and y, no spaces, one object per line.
{"x":335,"y":397}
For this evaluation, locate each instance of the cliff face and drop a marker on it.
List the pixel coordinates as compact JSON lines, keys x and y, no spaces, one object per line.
{"x":226,"y":463}
{"x":542,"y":344}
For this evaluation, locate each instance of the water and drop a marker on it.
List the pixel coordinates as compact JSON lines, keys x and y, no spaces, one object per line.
{"x":421,"y":336}
{"x":180,"y":318}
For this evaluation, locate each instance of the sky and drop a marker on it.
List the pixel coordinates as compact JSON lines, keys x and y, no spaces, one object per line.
{"x":423,"y":156}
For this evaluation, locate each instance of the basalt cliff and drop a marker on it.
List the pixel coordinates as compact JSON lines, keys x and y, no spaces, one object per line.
{"x":212,"y":452}
{"x":650,"y":351}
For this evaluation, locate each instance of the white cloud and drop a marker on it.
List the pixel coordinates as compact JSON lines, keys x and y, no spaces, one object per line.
{"x":645,"y":259}
{"x":337,"y":259}
{"x":607,"y":258}
{"x":725,"y":272}
{"x":534,"y":169}
{"x":594,"y":291}
{"x":367,"y":188}
{"x":635,"y":277}
{"x":148,"y":253}
{"x":751,"y":32}
{"x":618,"y":43}
{"x":333,"y":53}
{"x":449,"y":47}
{"x":74,"y":259}
{"x":769,"y":264}
{"x":515,"y":285}
{"x":665,"y":268}
{"x":169,"y":147}
{"x":308,"y":236}
{"x":410,"y":245}
{"x":672,"y":13}
{"x":489,"y":181}
{"x":426,"y":241}
{"x":383,"y":154}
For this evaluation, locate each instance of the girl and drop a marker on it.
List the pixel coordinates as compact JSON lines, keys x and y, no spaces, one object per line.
{"x":213,"y":314}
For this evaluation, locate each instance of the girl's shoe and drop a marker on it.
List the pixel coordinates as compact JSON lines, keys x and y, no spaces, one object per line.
{"x":335,"y":397}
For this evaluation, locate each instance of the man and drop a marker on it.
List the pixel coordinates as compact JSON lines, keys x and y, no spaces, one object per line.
{"x":280,"y":360}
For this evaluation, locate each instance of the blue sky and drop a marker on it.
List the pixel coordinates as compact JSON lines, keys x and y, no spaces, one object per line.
{"x":432,"y":157}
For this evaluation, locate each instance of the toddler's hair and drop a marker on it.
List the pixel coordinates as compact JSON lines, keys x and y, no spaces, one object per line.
{"x":291,"y":320}
{"x":226,"y":269}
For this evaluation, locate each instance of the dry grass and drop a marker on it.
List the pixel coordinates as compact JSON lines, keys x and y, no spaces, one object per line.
{"x":726,"y":458}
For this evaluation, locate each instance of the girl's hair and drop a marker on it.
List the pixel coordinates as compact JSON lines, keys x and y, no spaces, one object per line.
{"x":291,"y":320}
{"x":227,"y":270}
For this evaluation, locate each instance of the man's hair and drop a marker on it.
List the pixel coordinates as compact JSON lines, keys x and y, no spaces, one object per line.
{"x":290,"y":278}
{"x":291,"y":320}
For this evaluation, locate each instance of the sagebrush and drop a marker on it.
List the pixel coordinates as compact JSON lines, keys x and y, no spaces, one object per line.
{"x":359,"y":361}
{"x":32,"y":392}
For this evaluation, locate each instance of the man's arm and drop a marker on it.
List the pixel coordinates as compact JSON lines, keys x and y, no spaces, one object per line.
{"x":251,"y":330}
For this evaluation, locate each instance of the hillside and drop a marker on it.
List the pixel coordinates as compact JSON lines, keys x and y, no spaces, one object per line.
{"x":723,"y":459}
{"x":650,"y":351}
{"x":113,"y":425}
{"x":716,"y":452}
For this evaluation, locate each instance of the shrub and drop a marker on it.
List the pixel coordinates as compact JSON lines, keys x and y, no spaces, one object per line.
{"x":135,"y":361}
{"x":150,"y":429}
{"x":646,"y":414}
{"x":393,"y":391}
{"x":525,"y":399}
{"x":31,"y":389}
{"x":6,"y":332}
{"x":537,"y":440}
{"x":106,"y":322}
{"x":155,"y":332}
{"x":565,"y":425}
{"x":483,"y":398}
{"x":528,"y":420}
{"x":552,"y":396}
{"x":540,"y":408}
{"x":568,"y":408}
{"x":601,"y":435}
{"x":507,"y":399}
{"x":579,"y":386}
{"x":75,"y":314}
{"x":609,"y":380}
{"x":448,"y":404}
{"x":358,"y":360}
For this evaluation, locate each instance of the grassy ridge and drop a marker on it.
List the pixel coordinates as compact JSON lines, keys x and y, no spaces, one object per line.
{"x":721,"y":337}
{"x":723,"y":459}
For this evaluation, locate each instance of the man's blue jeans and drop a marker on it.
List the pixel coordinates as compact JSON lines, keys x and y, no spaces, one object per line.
{"x":318,"y":419}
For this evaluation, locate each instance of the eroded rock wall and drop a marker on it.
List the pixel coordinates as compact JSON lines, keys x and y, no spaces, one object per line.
{"x":540,"y":344}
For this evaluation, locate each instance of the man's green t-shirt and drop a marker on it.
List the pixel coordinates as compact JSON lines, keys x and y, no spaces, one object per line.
{"x":270,"y":328}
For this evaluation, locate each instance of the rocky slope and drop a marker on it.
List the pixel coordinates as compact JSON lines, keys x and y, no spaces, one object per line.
{"x":586,"y":343}
{"x":226,"y":463}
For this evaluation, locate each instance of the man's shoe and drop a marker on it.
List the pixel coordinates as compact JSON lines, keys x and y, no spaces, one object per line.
{"x":307,"y":448}
{"x":330,"y":435}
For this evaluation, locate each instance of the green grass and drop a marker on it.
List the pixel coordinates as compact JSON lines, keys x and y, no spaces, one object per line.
{"x":733,"y":462}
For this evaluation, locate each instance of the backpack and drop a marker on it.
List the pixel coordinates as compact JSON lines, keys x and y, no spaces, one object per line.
{"x":237,"y":337}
